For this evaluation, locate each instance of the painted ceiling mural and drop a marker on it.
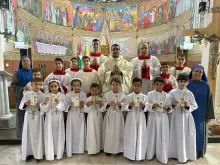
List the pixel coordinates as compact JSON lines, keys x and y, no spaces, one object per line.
{"x":107,"y":1}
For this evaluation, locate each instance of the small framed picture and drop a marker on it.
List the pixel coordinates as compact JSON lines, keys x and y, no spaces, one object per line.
{"x":160,"y":107}
{"x":33,"y":99}
{"x":116,"y":98}
{"x":53,"y":97}
{"x":136,"y":100}
{"x":75,"y":101}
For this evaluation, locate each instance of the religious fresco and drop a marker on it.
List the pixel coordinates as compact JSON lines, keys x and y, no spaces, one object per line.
{"x":86,"y":17}
{"x":45,"y":42}
{"x":32,"y":6}
{"x":23,"y":32}
{"x":107,"y":1}
{"x":182,"y":6}
{"x":161,"y":44}
{"x":58,"y":12}
{"x":180,"y":38}
{"x":122,"y":18}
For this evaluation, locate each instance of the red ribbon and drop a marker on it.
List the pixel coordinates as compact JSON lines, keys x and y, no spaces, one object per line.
{"x":144,"y":57}
{"x":96,"y":67}
{"x":62,"y":72}
{"x":95,"y":54}
{"x":87,"y":70}
{"x":179,"y":68}
{"x":165,"y":76}
{"x":74,"y":69}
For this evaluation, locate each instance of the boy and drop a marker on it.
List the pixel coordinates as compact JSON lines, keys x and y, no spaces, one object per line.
{"x":182,"y":126}
{"x":74,"y":68}
{"x":32,"y":136}
{"x":135,"y":142}
{"x":170,"y":80}
{"x":158,"y":123}
{"x":94,"y":121}
{"x":60,"y":74}
{"x":96,"y":56}
{"x":146,"y":67}
{"x":35,"y":74}
{"x":87,"y":75}
{"x":180,"y":68}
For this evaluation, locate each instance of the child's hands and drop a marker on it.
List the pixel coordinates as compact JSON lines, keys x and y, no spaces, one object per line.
{"x":57,"y":100}
{"x":166,"y":108}
{"x":37,"y":105}
{"x":175,"y":102}
{"x":142,"y":105}
{"x":71,"y":106}
{"x":131,"y":104}
{"x":81,"y":104}
{"x":111,"y":103}
{"x":28,"y":102}
{"x":118,"y":103}
{"x":99,"y":102}
{"x":89,"y":103}
{"x":46,"y":100}
{"x":186,"y":104}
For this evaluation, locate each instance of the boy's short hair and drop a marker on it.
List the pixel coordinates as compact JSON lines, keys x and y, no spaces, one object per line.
{"x":35,"y":70}
{"x":85,"y":57}
{"x":76,"y":80}
{"x":159,"y":79}
{"x":115,"y":45}
{"x":94,"y":85}
{"x":116,"y":80}
{"x":95,"y":40}
{"x":180,"y":54}
{"x":74,"y":58}
{"x":136,"y":79}
{"x":58,"y":59}
{"x":37,"y":79}
{"x":183,"y":76}
{"x":164,"y":63}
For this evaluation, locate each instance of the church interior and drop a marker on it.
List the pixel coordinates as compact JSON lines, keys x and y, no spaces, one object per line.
{"x":49,"y":29}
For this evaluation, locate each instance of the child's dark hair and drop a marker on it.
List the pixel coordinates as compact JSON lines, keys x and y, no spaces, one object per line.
{"x":35,"y":70}
{"x":74,"y":58}
{"x":164,"y":63}
{"x":115,"y":80}
{"x":58,"y":59}
{"x":180,"y":54}
{"x":85,"y":57}
{"x":115,"y":45}
{"x":59,"y":89}
{"x":159,"y":79}
{"x":136,"y":79}
{"x":95,"y":40}
{"x":37,"y":79}
{"x":76,"y":80}
{"x":94,"y":85}
{"x":183,"y":77}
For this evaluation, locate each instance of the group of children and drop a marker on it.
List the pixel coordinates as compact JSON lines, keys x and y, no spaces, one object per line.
{"x":71,"y":116}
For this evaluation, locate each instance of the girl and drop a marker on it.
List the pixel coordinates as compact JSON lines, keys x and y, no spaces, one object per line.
{"x":54,"y":130}
{"x":94,"y":121}
{"x":114,"y":120}
{"x":75,"y":126}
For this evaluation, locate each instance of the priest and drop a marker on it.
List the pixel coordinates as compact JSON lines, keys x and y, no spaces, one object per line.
{"x":116,"y":66}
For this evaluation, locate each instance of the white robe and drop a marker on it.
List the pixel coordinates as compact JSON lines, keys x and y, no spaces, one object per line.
{"x":32,"y":135}
{"x":182,"y":127}
{"x":94,"y":137}
{"x":175,"y":72}
{"x":87,"y":79}
{"x":105,"y":73}
{"x":99,"y":59}
{"x":64,"y":81}
{"x":135,"y":141}
{"x":71,"y":73}
{"x":54,"y":130}
{"x":75,"y":126}
{"x":113,"y":124}
{"x":29,"y":86}
{"x":154,"y":65}
{"x":157,"y":127}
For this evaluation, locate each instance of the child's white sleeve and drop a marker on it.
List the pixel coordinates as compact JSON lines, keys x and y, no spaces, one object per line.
{"x":44,"y":108}
{"x":125,"y":106}
{"x":86,"y":108}
{"x":67,"y":102}
{"x":146,"y":103}
{"x":192,"y":103}
{"x":61,"y":105}
{"x":105,"y":103}
{"x":22,"y":105}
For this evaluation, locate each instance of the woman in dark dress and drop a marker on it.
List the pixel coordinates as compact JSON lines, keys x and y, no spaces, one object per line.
{"x":198,"y":84}
{"x":19,"y":81}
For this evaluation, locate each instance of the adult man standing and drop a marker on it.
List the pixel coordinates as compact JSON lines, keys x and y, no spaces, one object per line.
{"x":146,"y":67}
{"x":96,"y":56}
{"x":116,"y":66}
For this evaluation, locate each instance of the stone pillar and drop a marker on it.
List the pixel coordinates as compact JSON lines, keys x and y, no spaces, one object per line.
{"x":7,"y":120}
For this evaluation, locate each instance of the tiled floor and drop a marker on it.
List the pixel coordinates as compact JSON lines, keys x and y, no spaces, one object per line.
{"x":11,"y":155}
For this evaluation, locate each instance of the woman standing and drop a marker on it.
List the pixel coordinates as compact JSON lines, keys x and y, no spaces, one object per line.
{"x":198,"y":84}
{"x":18,"y":84}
